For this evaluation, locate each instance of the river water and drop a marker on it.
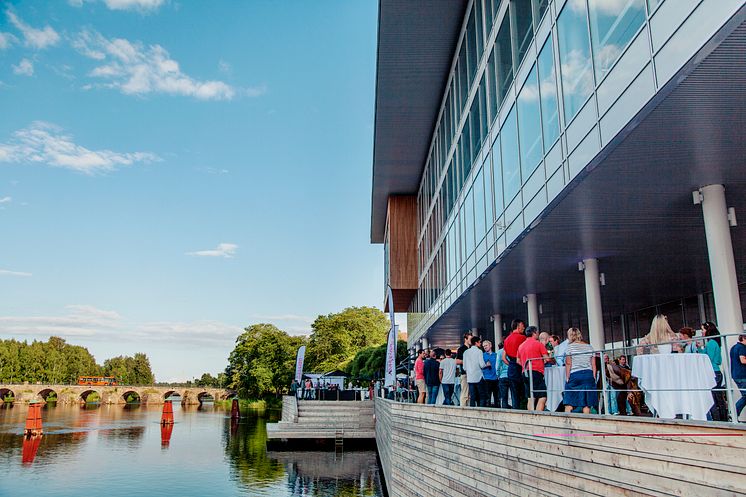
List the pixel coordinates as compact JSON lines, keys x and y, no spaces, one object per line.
{"x":115,"y":451}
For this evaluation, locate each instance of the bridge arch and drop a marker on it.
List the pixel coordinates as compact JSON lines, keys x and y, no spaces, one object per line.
{"x":173,"y":395}
{"x":205,"y":396}
{"x":46,"y":393}
{"x":132,"y":397}
{"x":6,"y":393}
{"x":228,"y":395}
{"x":90,"y":396}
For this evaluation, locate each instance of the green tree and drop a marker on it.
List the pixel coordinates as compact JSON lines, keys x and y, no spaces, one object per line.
{"x":263,"y":361}
{"x":336,"y":338}
{"x":369,"y":363}
{"x":207,"y":380}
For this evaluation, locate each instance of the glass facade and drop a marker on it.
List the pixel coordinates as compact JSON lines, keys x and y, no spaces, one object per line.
{"x":526,"y":78}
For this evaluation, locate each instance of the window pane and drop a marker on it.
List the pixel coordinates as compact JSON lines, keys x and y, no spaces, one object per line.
{"x":493,"y":96}
{"x":540,"y":6}
{"x":466,"y":149}
{"x":483,"y":106}
{"x":468,"y":211}
{"x":487,"y":171}
{"x":463,"y":88}
{"x":524,"y":28}
{"x":480,"y":225}
{"x":497,"y":178}
{"x":548,"y":89}
{"x":471,"y":49}
{"x":529,"y":125}
{"x":478,"y":31}
{"x":489,"y":16}
{"x":510,"y":159}
{"x":504,"y":59}
{"x":474,"y":120}
{"x":613,"y":24}
{"x":575,"y":57}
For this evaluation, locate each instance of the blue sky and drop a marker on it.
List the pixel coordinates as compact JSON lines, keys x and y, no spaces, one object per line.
{"x":172,"y":171}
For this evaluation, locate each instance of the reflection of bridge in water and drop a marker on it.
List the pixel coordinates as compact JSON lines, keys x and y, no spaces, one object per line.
{"x":118,"y":394}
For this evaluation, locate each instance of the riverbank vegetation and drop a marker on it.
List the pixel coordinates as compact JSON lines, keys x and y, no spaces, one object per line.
{"x":262,"y":363}
{"x":58,"y":362}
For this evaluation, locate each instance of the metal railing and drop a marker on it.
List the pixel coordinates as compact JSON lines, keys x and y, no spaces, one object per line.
{"x":408,"y":393}
{"x":631,"y":352}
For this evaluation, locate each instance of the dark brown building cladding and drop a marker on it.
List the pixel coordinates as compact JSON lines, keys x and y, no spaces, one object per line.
{"x":401,"y":229}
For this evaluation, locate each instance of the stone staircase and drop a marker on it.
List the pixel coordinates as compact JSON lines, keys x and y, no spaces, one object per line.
{"x":323,"y":420}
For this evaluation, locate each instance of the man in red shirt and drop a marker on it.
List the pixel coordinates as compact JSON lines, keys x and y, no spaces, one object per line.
{"x":514,"y":340}
{"x":419,"y":375}
{"x":531,"y":356}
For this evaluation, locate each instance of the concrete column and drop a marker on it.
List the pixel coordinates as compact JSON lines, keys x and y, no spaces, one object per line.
{"x":497,"y":326}
{"x":701,"y":307}
{"x":593,"y":303}
{"x":475,"y":332}
{"x":533,"y":309}
{"x":723,"y":273}
{"x":424,"y":343}
{"x":722,"y":263}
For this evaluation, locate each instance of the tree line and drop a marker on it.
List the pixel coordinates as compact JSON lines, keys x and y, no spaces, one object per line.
{"x":353,"y":340}
{"x":56,"y":361}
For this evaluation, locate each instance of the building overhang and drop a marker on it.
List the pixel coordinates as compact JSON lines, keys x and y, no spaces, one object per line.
{"x":631,"y":206}
{"x":416,"y":43}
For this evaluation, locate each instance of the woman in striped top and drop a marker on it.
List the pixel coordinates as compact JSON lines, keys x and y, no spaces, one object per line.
{"x":580,"y":371}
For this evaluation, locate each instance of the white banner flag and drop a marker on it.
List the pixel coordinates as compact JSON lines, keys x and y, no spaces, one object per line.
{"x":390,"y":377}
{"x":299,"y":363}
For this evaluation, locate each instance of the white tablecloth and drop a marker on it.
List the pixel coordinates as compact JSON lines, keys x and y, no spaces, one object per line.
{"x":676,"y":383}
{"x":555,"y":380}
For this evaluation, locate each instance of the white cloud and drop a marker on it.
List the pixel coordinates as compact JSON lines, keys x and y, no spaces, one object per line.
{"x":80,"y":320}
{"x":143,"y":6}
{"x":6,"y":200}
{"x":140,"y":5}
{"x":6,"y":272}
{"x":6,"y":40}
{"x":24,"y":68}
{"x":35,"y":38}
{"x":225,"y":250}
{"x":107,"y":325}
{"x":45,"y":143}
{"x":136,"y":69}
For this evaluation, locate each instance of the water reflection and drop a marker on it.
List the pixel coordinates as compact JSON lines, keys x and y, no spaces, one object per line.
{"x":330,"y":473}
{"x":204,"y":453}
{"x":246,"y":449}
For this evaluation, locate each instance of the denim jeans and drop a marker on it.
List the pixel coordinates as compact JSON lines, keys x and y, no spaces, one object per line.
{"x":504,"y":386}
{"x":457,"y":391}
{"x":447,"y":394}
{"x":742,"y":401}
{"x":492,"y":392}
{"x":516,"y":384}
{"x":478,"y":394}
{"x":432,"y":394}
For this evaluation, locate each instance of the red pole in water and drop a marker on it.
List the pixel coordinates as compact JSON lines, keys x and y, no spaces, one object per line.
{"x":166,"y":430}
{"x":33,"y":420}
{"x":167,"y":418}
{"x":30,"y":447}
{"x":235,"y":412}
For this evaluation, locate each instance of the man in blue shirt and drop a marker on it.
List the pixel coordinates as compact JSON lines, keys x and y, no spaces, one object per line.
{"x":738,"y":370}
{"x":432,"y":377}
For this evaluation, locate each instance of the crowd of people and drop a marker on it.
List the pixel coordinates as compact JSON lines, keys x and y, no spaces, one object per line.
{"x":512,"y":374}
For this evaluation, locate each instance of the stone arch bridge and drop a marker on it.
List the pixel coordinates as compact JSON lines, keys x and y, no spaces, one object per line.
{"x":118,"y":394}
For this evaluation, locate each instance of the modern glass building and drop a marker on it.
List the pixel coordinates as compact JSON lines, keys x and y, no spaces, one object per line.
{"x":568,"y":162}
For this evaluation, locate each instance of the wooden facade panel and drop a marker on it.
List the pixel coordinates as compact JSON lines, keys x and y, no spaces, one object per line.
{"x":401,"y":232}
